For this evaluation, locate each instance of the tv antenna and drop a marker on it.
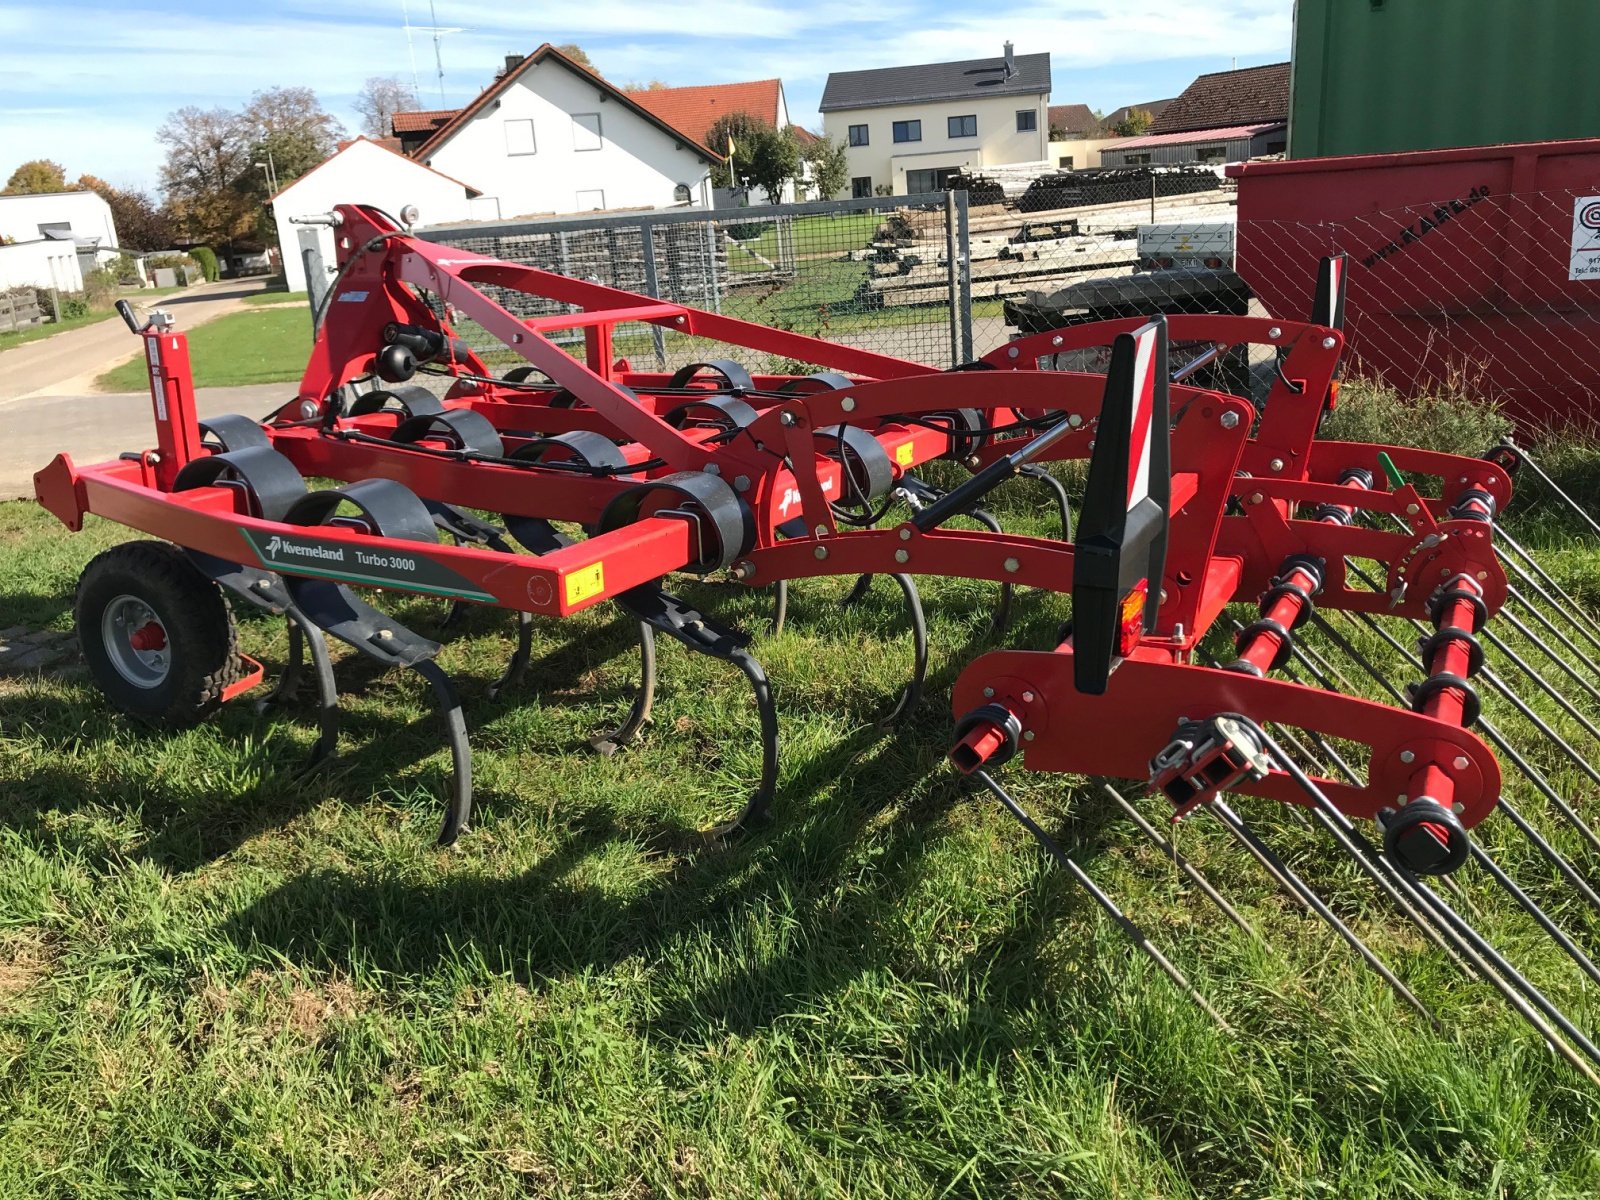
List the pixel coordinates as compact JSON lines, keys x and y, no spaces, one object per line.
{"x":438,"y":31}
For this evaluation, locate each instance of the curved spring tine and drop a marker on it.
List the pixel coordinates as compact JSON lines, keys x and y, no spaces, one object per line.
{"x":458,"y":809}
{"x":1058,"y":489}
{"x":858,"y":593}
{"x":912,"y":695}
{"x":301,"y":638}
{"x":1527,"y":460}
{"x":759,"y":807}
{"x":780,"y":607}
{"x":1002,"y":610}
{"x":518,"y":665}
{"x":609,"y":743}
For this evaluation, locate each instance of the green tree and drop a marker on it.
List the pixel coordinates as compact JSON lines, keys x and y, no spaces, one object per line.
{"x":1135,"y":123}
{"x":774,"y":159}
{"x":208,"y":159}
{"x":140,"y":224}
{"x":830,"y":168}
{"x":36,"y":177}
{"x":740,"y":128}
{"x":575,"y":52}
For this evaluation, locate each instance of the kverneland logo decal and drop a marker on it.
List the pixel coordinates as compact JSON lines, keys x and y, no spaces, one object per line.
{"x":384,"y":564}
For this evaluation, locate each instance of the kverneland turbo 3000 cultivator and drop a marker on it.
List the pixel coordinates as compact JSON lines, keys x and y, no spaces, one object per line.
{"x":1194,"y":499}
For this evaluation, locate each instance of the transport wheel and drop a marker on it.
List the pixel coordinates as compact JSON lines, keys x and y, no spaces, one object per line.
{"x":158,"y":636}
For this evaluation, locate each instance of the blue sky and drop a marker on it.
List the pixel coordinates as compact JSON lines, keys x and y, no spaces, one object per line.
{"x":88,"y":83}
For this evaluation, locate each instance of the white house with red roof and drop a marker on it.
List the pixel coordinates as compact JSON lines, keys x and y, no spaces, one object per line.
{"x":362,"y":172}
{"x":549,"y":136}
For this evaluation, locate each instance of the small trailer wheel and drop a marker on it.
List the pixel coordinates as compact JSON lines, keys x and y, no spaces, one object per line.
{"x":158,"y":635}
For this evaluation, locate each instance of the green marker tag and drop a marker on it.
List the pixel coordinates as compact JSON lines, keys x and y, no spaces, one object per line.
{"x":1396,"y":480}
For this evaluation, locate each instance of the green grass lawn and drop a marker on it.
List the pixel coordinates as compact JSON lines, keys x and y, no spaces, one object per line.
{"x":276,"y":297}
{"x":220,"y":976}
{"x":266,"y":346}
{"x":17,"y":337}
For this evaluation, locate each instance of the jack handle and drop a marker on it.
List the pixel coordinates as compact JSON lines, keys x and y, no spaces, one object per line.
{"x":125,"y":311}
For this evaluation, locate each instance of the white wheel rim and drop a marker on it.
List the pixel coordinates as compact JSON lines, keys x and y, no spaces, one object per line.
{"x":136,"y":642}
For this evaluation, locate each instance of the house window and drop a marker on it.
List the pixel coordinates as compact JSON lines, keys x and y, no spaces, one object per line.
{"x":586,"y":131}
{"x":1136,"y":160}
{"x":908,"y":131}
{"x":963,"y":127}
{"x":1027,"y":120}
{"x":592,"y":199}
{"x":1211,"y":154}
{"x":1064,"y":163}
{"x":858,"y":135}
{"x":861,"y":187}
{"x":519,"y":137}
{"x":681,"y":194}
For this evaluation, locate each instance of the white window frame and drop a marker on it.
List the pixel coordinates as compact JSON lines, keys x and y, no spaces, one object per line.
{"x":580,"y":204}
{"x":533,"y":143}
{"x":580,"y":127}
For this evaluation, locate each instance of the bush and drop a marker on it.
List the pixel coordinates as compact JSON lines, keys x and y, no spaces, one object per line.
{"x":73,"y":306}
{"x":207,"y":258}
{"x":126,"y":269}
{"x":100,"y":287}
{"x":1450,"y":421}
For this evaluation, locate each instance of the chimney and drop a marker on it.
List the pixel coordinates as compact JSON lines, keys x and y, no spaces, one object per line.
{"x":1011,"y":62}
{"x":513,"y":61}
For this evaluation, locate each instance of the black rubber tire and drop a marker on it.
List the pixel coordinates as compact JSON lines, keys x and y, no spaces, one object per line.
{"x":201,"y":635}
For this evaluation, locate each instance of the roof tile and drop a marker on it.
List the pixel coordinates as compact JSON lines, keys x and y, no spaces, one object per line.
{"x":696,"y":109}
{"x":1245,"y":97}
{"x":972,"y":79}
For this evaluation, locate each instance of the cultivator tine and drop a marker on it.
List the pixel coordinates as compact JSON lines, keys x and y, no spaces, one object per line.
{"x":517,"y":664}
{"x":1058,"y":491}
{"x":1107,"y":905}
{"x":911,"y":696}
{"x":780,"y":607}
{"x":458,"y":809}
{"x":1191,"y":872}
{"x":667,"y":614}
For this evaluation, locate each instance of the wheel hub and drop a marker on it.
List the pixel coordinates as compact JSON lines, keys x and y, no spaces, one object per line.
{"x":136,"y":642}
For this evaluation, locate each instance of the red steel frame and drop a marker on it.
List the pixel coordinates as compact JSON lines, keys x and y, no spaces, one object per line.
{"x":1241,"y":482}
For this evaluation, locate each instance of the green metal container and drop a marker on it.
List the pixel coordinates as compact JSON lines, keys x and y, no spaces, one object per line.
{"x":1375,"y":76}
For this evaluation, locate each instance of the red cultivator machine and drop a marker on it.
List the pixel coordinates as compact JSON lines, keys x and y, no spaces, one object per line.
{"x":1192,"y":500}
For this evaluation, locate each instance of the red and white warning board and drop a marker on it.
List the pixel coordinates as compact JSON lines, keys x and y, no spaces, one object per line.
{"x":1586,"y":239}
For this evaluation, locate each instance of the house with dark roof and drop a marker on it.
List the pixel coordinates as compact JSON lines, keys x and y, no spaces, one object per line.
{"x":1069,"y":121}
{"x":908,"y":129}
{"x":550,"y":136}
{"x":1154,"y":107}
{"x":414,"y":128}
{"x":1227,"y":116}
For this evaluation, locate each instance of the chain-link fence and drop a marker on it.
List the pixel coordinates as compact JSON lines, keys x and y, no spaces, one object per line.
{"x":1492,"y":296}
{"x":884,"y":274}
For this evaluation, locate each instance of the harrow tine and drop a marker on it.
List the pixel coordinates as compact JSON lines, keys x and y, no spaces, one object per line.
{"x":311,"y":640}
{"x":1537,"y":613}
{"x":1542,"y":584}
{"x":780,"y":608}
{"x":1107,"y":905}
{"x":1171,"y":851}
{"x":1526,"y":902}
{"x":1527,"y":461}
{"x":1490,"y":730}
{"x":1515,"y":988}
{"x":1285,"y":873}
{"x":1543,"y":647}
{"x":1548,"y":852}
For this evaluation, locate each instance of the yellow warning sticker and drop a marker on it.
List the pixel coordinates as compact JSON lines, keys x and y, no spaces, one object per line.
{"x":904,"y":454}
{"x":589,"y":581}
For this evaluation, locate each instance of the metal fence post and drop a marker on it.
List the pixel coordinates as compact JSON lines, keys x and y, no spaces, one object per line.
{"x":652,"y":285}
{"x":964,"y":246}
{"x":952,"y":258}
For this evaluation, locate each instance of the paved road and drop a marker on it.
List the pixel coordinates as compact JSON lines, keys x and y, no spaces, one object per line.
{"x":96,"y":428}
{"x":68,"y":363}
